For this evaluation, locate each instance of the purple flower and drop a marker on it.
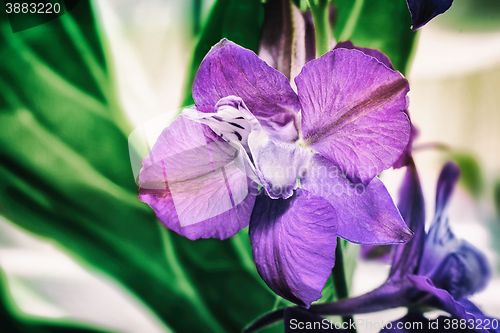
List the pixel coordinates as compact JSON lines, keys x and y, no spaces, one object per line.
{"x":434,"y":269}
{"x":298,"y":168}
{"x":422,"y":11}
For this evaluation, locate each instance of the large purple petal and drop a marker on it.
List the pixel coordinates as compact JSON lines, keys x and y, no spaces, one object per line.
{"x":198,"y":186}
{"x":422,"y":11}
{"x":412,"y":207}
{"x":353,"y":112}
{"x":406,"y":157}
{"x":371,"y":52}
{"x":366,"y":213}
{"x":293,"y":244}
{"x":231,"y":70}
{"x":406,"y":257}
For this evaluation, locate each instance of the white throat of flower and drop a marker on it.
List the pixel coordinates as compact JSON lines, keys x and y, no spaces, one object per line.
{"x":278,"y":165}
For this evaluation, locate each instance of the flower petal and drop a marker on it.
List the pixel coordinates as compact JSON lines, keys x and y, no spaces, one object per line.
{"x":198,"y":186}
{"x":371,"y":52}
{"x":389,"y":295}
{"x":366,"y":213}
{"x":452,"y":263}
{"x":422,"y":11}
{"x":405,"y":157}
{"x":463,"y":272}
{"x":443,"y":300}
{"x":293,"y":244}
{"x":231,"y":70}
{"x":353,"y":112}
{"x":232,"y":121}
{"x":412,"y":207}
{"x":445,"y":187}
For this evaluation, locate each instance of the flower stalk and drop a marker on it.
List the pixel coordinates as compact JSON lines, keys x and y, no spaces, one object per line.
{"x":340,"y":280}
{"x":319,"y":11}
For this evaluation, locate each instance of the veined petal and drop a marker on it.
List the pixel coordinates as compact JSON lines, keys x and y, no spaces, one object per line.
{"x":371,"y":52}
{"x":231,"y":70}
{"x":353,"y":112}
{"x":422,"y":11}
{"x":405,"y":157}
{"x":293,"y":244}
{"x":366,"y":213}
{"x":198,"y":187}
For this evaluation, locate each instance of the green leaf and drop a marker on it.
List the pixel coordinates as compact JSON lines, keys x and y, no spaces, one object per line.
{"x":496,"y":197}
{"x":471,"y":175}
{"x":66,"y":176}
{"x":237,"y":20}
{"x":381,"y":24}
{"x":13,"y":321}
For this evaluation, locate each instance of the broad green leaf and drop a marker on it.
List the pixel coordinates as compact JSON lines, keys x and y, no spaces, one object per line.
{"x":471,"y":175}
{"x":496,"y":197}
{"x":380,"y":24}
{"x":66,"y":176}
{"x":237,"y":20}
{"x":13,"y":321}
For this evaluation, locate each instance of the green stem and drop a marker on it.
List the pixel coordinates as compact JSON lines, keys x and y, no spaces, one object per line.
{"x":319,"y":11}
{"x":340,"y":281}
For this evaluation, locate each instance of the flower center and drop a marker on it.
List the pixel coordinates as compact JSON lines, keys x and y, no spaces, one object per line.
{"x":278,"y":164}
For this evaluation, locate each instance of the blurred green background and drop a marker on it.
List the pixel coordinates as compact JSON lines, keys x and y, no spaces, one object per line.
{"x":80,"y":253}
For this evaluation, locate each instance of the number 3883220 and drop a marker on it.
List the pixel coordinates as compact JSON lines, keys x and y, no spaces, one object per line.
{"x":33,"y":7}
